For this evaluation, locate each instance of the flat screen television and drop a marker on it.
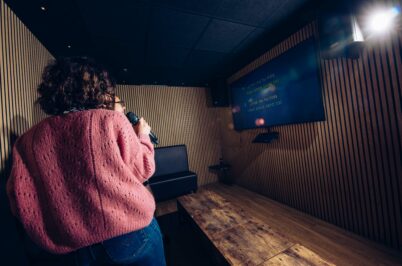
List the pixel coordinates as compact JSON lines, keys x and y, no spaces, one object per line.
{"x":285,"y":90}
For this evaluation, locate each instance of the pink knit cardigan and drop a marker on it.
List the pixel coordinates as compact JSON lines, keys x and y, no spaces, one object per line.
{"x":77,"y":180}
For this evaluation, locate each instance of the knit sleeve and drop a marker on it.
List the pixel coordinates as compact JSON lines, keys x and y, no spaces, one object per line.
{"x":137,"y":151}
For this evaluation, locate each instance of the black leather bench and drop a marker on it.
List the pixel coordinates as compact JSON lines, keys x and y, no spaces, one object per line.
{"x":172,"y":177}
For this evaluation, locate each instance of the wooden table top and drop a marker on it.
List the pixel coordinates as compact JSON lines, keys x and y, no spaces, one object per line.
{"x":241,"y":238}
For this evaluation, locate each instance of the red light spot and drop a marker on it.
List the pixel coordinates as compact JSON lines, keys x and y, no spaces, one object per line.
{"x":259,"y":122}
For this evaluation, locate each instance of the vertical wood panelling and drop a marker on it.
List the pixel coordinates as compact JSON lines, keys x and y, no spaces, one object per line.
{"x":22,"y":59}
{"x":347,"y":169}
{"x":179,"y":115}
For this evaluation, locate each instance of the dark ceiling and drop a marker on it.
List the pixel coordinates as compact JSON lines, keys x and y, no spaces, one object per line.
{"x":171,"y":42}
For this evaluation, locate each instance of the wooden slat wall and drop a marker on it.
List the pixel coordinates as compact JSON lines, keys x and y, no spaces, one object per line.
{"x":22,"y":59}
{"x":347,"y":169}
{"x":179,"y":115}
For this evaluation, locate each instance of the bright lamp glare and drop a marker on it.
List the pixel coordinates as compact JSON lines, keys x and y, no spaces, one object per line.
{"x":382,"y":20}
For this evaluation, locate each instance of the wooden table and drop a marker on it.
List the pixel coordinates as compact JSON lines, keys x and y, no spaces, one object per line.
{"x":240,"y":238}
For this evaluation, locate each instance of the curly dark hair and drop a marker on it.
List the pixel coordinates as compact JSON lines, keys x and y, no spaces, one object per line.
{"x":75,"y":83}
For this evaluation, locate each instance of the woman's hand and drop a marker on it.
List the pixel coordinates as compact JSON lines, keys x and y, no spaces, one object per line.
{"x":142,"y":128}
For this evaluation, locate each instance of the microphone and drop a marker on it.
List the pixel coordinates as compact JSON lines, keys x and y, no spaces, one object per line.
{"x":133,"y":118}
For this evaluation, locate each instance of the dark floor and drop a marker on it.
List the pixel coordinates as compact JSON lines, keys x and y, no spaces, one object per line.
{"x":183,"y":246}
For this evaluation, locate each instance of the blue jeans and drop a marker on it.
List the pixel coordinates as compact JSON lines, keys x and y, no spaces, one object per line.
{"x":142,"y":247}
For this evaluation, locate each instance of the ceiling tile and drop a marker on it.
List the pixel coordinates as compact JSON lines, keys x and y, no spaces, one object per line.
{"x":252,"y":37}
{"x":223,"y":36}
{"x":202,"y":58}
{"x":205,"y":7}
{"x":250,"y":12}
{"x":287,"y":7}
{"x":123,"y":20}
{"x":166,"y":57}
{"x":174,"y":28}
{"x":118,"y":54}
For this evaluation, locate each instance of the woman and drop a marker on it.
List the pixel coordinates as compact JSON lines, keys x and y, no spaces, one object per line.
{"x":77,"y":179}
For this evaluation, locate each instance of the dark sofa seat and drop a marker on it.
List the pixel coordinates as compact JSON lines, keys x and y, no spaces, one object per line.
{"x":172,"y":177}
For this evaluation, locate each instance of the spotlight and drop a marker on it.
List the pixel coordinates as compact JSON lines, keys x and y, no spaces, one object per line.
{"x":382,"y":20}
{"x":43,"y":8}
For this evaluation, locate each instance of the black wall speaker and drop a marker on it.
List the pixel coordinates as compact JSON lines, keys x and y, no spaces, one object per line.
{"x":219,"y":93}
{"x":340,"y":34}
